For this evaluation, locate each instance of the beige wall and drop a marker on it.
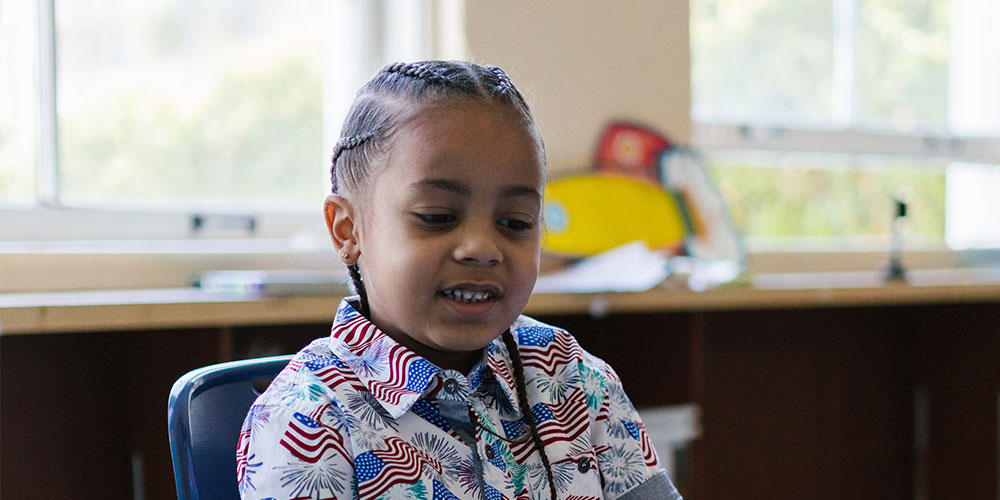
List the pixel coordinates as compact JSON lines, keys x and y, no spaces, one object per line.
{"x":585,"y":63}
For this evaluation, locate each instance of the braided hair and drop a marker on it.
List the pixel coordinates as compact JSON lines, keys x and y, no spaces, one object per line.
{"x":522,"y":402}
{"x":374,"y":116}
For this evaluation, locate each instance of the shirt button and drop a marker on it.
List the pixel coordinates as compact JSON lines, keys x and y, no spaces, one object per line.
{"x":490,"y":454}
{"x":583,"y":465}
{"x":451,"y":386}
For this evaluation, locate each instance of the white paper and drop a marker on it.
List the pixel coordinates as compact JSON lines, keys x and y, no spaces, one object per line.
{"x":629,"y":268}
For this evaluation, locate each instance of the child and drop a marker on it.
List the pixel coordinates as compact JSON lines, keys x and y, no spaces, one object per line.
{"x":432,"y":385}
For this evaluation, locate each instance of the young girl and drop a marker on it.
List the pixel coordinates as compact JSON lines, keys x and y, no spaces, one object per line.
{"x":432,"y":385}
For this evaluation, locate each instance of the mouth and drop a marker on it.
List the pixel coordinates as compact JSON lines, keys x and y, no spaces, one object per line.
{"x":471,"y":294}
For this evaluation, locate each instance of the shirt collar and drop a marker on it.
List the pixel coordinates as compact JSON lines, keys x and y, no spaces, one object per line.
{"x":396,"y":376}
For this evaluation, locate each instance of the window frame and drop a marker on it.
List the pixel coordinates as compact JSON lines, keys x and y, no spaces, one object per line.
{"x":712,"y":137}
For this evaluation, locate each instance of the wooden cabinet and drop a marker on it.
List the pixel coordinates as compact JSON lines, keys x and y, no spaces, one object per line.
{"x":798,"y":399}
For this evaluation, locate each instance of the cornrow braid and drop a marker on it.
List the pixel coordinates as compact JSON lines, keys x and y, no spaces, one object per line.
{"x":503,"y":81}
{"x":350,"y":143}
{"x":359,"y":286}
{"x":345,"y":144}
{"x":417,"y":70}
{"x":522,"y":401}
{"x":390,"y":96}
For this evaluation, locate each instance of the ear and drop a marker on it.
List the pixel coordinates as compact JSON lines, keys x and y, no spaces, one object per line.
{"x":341,"y":221}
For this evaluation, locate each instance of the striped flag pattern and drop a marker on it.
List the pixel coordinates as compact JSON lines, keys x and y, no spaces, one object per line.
{"x":399,"y":463}
{"x":546,"y":349}
{"x":395,"y":439}
{"x":309,"y":441}
{"x":648,"y":452}
{"x":396,"y":383}
{"x":563,"y":422}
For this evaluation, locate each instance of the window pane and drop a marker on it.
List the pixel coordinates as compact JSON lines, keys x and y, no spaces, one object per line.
{"x":767,"y":59}
{"x":798,"y":194}
{"x":973,"y":72}
{"x":903,"y":54}
{"x":18,"y":101}
{"x":973,"y":205}
{"x":182,"y":102}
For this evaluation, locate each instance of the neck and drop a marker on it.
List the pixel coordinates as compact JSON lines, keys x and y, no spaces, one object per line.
{"x":462,"y":361}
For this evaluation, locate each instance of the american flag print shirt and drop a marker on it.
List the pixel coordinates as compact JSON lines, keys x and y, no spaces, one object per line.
{"x":357,"y":415}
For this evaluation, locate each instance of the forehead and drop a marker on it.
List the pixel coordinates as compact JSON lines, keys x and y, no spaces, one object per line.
{"x":469,"y":140}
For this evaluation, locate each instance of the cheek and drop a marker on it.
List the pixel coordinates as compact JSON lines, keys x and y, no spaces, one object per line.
{"x":415,"y":261}
{"x":527,"y":265}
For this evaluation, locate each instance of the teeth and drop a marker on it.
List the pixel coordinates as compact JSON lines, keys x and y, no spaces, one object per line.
{"x":468,"y":296}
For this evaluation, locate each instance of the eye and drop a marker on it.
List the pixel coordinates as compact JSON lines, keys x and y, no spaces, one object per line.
{"x":436,"y":219}
{"x":515,"y":224}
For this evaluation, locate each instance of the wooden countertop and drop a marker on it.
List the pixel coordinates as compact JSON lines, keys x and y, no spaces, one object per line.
{"x":86,"y":311}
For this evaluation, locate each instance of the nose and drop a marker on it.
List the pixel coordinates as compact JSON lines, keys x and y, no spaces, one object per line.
{"x":477,"y":247}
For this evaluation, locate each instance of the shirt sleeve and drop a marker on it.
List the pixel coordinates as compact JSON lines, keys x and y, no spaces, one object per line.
{"x":625,"y":456}
{"x":287,"y":452}
{"x":658,"y":487}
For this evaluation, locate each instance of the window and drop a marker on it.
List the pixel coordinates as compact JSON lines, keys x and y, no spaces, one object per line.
{"x":18,"y":115}
{"x":178,"y":118}
{"x":815,"y":115}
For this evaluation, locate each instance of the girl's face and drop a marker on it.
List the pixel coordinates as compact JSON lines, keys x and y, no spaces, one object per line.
{"x":449,"y":239}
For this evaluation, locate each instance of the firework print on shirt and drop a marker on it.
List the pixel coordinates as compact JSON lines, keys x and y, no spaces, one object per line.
{"x":356,"y":415}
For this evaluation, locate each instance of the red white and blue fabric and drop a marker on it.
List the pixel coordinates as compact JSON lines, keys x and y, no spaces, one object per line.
{"x":356,"y":415}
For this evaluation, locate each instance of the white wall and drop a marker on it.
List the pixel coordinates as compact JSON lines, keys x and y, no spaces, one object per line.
{"x":584,"y":63}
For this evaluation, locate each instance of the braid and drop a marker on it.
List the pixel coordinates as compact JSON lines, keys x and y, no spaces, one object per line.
{"x":417,"y":70}
{"x":392,"y":94}
{"x":359,"y":286}
{"x":522,"y":401}
{"x":345,"y":144}
{"x":350,"y":143}
{"x":503,"y":81}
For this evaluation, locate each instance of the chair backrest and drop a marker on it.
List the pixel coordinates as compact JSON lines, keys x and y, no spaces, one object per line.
{"x":205,"y":413}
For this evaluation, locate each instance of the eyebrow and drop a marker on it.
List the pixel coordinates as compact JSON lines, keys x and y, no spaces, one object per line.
{"x":463,"y":190}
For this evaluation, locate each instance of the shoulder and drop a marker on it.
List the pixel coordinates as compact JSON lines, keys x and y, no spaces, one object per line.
{"x":311,"y":380}
{"x":529,"y":332}
{"x":297,"y":423}
{"x":553,"y":360}
{"x":533,"y":336}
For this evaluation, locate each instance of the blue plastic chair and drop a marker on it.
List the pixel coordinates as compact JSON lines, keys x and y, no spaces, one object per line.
{"x":204,"y":416}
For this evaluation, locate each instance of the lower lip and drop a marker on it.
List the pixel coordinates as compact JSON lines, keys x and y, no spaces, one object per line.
{"x":470,"y":308}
